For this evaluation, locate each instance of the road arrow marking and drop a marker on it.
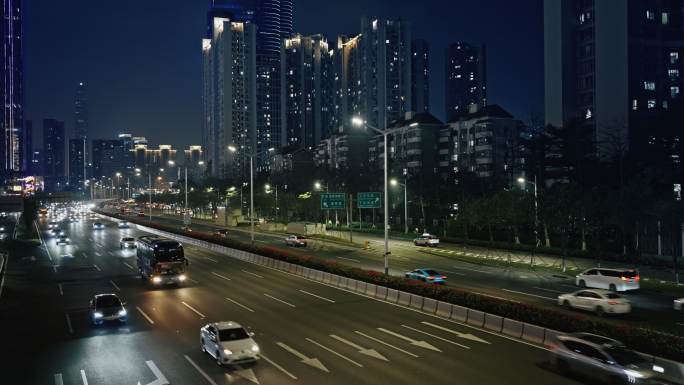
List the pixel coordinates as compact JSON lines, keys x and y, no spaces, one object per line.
{"x":292,"y":376}
{"x":161,"y":380}
{"x":205,"y":375}
{"x":386,"y":344}
{"x":334,"y":352}
{"x":369,"y":352}
{"x":434,"y":336}
{"x":247,"y":374}
{"x":83,"y":377}
{"x":467,"y":336}
{"x":421,"y":344}
{"x":314,"y":362}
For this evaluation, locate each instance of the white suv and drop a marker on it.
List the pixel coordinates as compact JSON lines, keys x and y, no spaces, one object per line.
{"x":611,"y":279}
{"x":229,"y":343}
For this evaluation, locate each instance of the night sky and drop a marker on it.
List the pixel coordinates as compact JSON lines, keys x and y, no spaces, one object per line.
{"x":141,"y":59}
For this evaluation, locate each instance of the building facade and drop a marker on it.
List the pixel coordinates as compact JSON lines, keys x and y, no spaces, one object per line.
{"x":420,"y":76}
{"x":77,"y":162}
{"x":12,"y":89}
{"x":81,"y":112}
{"x":54,"y":160}
{"x":109,"y":158}
{"x":466,"y":78}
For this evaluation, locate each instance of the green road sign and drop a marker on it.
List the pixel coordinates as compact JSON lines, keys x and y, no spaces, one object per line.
{"x":333,"y":201}
{"x":369,"y":200}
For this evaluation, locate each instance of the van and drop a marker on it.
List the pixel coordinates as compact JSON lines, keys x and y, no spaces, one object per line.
{"x":611,"y":279}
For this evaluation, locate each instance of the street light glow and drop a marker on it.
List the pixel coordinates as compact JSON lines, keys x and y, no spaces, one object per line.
{"x":232,"y":149}
{"x":415,"y":124}
{"x":317,"y":185}
{"x":357,"y":121}
{"x":267,"y":186}
{"x":172,"y":163}
{"x":394,"y":182}
{"x":521,"y":180}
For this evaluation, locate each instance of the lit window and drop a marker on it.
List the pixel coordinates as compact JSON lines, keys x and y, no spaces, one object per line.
{"x":635,"y":105}
{"x":665,"y":18}
{"x":649,"y":86}
{"x":651,"y":103}
{"x":674,"y":91}
{"x":674,"y":57}
{"x":589,"y":114}
{"x":650,"y":15}
{"x":673,"y":73}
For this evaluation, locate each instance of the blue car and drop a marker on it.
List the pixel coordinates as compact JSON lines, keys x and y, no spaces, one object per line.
{"x":427,"y":276}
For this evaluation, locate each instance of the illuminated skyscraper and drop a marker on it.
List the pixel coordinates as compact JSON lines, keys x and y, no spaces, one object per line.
{"x":80,"y":113}
{"x":12,"y":88}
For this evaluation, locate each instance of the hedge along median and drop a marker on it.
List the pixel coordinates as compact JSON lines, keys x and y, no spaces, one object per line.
{"x":645,"y":340}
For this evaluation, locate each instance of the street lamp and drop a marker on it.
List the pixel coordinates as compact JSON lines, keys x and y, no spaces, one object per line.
{"x":251,"y":185}
{"x":394,"y":182}
{"x":522,"y":181}
{"x":358,"y":122}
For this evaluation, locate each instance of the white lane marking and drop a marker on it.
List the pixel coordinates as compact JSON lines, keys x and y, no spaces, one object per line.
{"x":452,"y":272}
{"x":422,"y":344}
{"x":97,"y":267}
{"x":54,"y":267}
{"x":221,"y":276}
{"x":83,"y":377}
{"x":84,"y":255}
{"x":349,"y":259}
{"x":98,"y":253}
{"x":313,"y":362}
{"x":529,"y":294}
{"x":250,"y":273}
{"x":205,"y":375}
{"x":112,"y":253}
{"x":61,"y":291}
{"x":292,"y":376}
{"x":570,"y":286}
{"x":115,"y":285}
{"x":549,"y":290}
{"x":129,"y":266}
{"x":211,"y":259}
{"x":58,"y":379}
{"x":467,"y":336}
{"x":239,"y":304}
{"x":193,"y":309}
{"x":434,"y":336}
{"x":193,"y":281}
{"x":494,"y":296}
{"x":317,"y":296}
{"x":68,"y":321}
{"x":47,"y":249}
{"x":334,"y":352}
{"x":369,"y":352}
{"x":246,"y":373}
{"x":279,"y":300}
{"x":161,"y":380}
{"x":145,"y":315}
{"x":386,"y":344}
{"x":2,"y":280}
{"x":476,"y":270}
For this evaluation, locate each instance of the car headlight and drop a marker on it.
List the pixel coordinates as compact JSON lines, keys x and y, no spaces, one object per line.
{"x":122,"y":313}
{"x":182,"y":277}
{"x":156,"y":279}
{"x":658,"y":369}
{"x":97,"y":314}
{"x":633,"y":373}
{"x":227,"y":352}
{"x":255,"y":348}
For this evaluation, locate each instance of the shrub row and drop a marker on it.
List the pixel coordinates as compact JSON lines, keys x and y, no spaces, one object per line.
{"x":645,"y":340}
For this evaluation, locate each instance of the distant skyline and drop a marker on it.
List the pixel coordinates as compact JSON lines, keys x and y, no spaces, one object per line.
{"x":142,"y":60}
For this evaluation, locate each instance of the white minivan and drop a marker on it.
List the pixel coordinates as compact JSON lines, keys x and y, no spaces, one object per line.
{"x":611,"y":279}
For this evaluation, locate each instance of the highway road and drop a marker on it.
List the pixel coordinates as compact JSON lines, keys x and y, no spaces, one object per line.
{"x":309,"y":333}
{"x":540,"y":287}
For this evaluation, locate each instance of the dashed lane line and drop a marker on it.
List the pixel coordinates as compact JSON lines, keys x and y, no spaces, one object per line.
{"x":145,"y":315}
{"x":129,"y":266}
{"x":349,"y":259}
{"x":279,"y":300}
{"x":239,"y":304}
{"x":115,"y":285}
{"x":97,"y":267}
{"x":193,"y":309}
{"x":317,"y":296}
{"x":61,"y":291}
{"x":549,"y":290}
{"x":83,"y":377}
{"x":529,"y":294}
{"x":221,"y":276}
{"x":250,"y":273}
{"x":68,"y":322}
{"x":202,"y":372}
{"x":58,"y":379}
{"x":386,"y":344}
{"x":292,"y":376}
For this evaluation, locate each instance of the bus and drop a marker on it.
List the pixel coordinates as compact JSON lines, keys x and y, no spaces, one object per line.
{"x":161,"y":260}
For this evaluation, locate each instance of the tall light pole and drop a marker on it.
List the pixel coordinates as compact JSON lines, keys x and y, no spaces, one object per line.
{"x":251,"y":185}
{"x":358,"y":122}
{"x":522,"y":181}
{"x":394,"y":182}
{"x":318,"y":186}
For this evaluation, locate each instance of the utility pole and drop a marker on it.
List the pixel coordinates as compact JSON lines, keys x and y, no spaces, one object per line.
{"x":149,"y":184}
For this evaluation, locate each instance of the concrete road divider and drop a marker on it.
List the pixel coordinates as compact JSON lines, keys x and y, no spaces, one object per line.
{"x":493,"y":322}
{"x":371,"y":289}
{"x":429,"y":305}
{"x":551,"y":337}
{"x":381,"y":292}
{"x":475,"y":318}
{"x":512,"y":328}
{"x":444,"y":309}
{"x":459,"y":313}
{"x":416,"y":301}
{"x":392,"y":295}
{"x":534,"y":334}
{"x":361,"y":287}
{"x":404,"y":299}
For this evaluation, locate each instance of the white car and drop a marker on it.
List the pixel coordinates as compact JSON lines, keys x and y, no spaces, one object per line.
{"x":127,"y":242}
{"x":598,"y":301}
{"x":295,"y":240}
{"x":98,"y":226}
{"x":229,"y":343}
{"x":610,"y":279}
{"x":123,"y":225}
{"x":426,"y":240}
{"x":62,"y":240}
{"x":679,"y":304}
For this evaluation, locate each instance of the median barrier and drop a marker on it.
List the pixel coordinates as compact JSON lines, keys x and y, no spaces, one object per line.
{"x":361,"y":287}
{"x":371,"y":289}
{"x":404,"y":299}
{"x":475,"y":318}
{"x":459,"y":313}
{"x":416,"y":301}
{"x":334,"y":279}
{"x":351,"y":284}
{"x":512,"y":328}
{"x":380,"y":292}
{"x":534,"y":334}
{"x":342,"y":283}
{"x":429,"y":305}
{"x":392,"y":295}
{"x":493,"y":322}
{"x":551,"y":337}
{"x":443,"y":309}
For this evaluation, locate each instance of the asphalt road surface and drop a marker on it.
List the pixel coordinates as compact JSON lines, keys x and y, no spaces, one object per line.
{"x":309,"y":333}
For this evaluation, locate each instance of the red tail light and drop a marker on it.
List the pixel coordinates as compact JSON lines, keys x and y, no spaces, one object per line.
{"x":624,"y":278}
{"x":613,"y":303}
{"x":431,"y":277}
{"x":444,"y":277}
{"x":637,"y":278}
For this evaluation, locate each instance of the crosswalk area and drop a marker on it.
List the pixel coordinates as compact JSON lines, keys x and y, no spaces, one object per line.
{"x":322,"y":357}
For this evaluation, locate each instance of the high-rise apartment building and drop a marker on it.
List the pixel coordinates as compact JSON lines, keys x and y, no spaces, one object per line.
{"x":309,"y":90}
{"x":466,"y":78}
{"x":614,"y":69}
{"x":54,"y":159}
{"x":230,"y":96}
{"x":12,"y":122}
{"x":80,"y":112}
{"x":109,"y":158}
{"x":77,"y":162}
{"x":420,"y":76}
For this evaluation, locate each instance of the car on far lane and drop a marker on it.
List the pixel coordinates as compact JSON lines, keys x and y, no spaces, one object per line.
{"x":57,"y":232}
{"x":123,"y":224}
{"x":98,"y":226}
{"x":611,"y":279}
{"x":229,"y":343}
{"x":598,"y":301}
{"x":679,"y":304}
{"x":223,"y":233}
{"x":141,"y":214}
{"x":426,"y":240}
{"x":600,"y":358}
{"x":52,"y":224}
{"x":127,"y":242}
{"x":107,"y":307}
{"x":62,"y":240}
{"x":295,"y":240}
{"x":427,"y":276}
{"x":186,"y":229}
{"x":2,"y":229}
